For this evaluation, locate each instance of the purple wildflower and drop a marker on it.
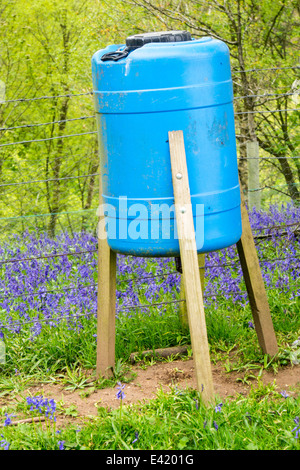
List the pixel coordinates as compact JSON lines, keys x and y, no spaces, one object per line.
{"x":136,"y":434}
{"x":23,"y":284}
{"x":7,"y":421}
{"x":218,"y":407}
{"x":297,"y":427}
{"x":4,"y":443}
{"x":120,"y":394}
{"x":42,"y":405}
{"x":61,"y":445}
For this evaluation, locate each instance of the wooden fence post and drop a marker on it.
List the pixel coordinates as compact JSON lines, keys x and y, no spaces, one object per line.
{"x":254,"y":194}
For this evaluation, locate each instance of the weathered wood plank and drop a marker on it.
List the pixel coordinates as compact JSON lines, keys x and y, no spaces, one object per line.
{"x":255,"y":286}
{"x":190,"y":266}
{"x":106,"y":301}
{"x":182,"y":306}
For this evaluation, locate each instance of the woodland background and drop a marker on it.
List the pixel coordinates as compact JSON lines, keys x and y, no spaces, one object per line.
{"x":49,"y":160}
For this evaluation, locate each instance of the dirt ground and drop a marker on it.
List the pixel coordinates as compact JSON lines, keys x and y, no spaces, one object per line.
{"x":163,"y":375}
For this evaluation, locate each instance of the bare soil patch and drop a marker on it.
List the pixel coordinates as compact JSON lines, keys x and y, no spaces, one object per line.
{"x":163,"y":375}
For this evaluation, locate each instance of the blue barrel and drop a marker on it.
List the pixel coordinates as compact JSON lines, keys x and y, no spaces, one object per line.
{"x":156,"y":83}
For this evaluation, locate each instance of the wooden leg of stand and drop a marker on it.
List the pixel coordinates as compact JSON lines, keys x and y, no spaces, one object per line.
{"x":201,"y":262}
{"x":255,"y":286}
{"x":182,"y":306}
{"x":106,"y":310}
{"x":190,"y":266}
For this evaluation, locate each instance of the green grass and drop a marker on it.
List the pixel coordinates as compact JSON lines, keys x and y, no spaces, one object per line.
{"x":57,"y":348}
{"x":263,"y":420}
{"x":177,"y":420}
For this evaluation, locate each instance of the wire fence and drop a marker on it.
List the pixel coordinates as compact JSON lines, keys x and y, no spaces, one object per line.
{"x":10,"y":326}
{"x":90,"y":92}
{"x":271,"y":229}
{"x":47,"y":97}
{"x":281,"y":231}
{"x":48,"y":138}
{"x":89,"y":290}
{"x":238,"y":293}
{"x":17,"y":323}
{"x":92,"y":117}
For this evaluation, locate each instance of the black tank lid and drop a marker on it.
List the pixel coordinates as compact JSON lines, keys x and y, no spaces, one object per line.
{"x":139,"y":40}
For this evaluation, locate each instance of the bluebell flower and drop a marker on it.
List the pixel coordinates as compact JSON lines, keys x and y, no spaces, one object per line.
{"x":4,"y":443}
{"x":37,"y":276}
{"x":7,"y":421}
{"x":42,"y":405}
{"x":61,"y":445}
{"x":218,"y":407}
{"x":120,"y":394}
{"x":297,"y":427}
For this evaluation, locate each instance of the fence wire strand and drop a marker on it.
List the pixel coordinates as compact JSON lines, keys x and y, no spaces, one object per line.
{"x":48,"y":138}
{"x":26,"y":126}
{"x":74,"y":316}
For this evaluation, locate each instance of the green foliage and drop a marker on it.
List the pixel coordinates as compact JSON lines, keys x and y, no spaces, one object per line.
{"x":263,"y":42}
{"x":174,"y":421}
{"x":46,"y":49}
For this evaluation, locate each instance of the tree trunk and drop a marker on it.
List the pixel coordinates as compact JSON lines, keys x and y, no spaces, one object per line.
{"x":90,"y":191}
{"x":56,"y":189}
{"x":285,"y":169}
{"x":56,"y":197}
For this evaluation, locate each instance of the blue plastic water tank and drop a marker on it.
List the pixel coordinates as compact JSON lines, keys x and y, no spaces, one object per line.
{"x":161,"y":82}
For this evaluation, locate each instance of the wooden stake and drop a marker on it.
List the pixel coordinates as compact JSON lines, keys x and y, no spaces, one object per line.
{"x":106,"y":303}
{"x":254,"y":195}
{"x":255,"y":286}
{"x":190,"y":267}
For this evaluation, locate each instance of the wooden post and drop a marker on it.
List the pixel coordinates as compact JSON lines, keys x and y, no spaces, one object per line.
{"x":106,"y":302}
{"x":182,"y":306}
{"x":255,"y":286}
{"x":254,"y":195}
{"x":190,"y":267}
